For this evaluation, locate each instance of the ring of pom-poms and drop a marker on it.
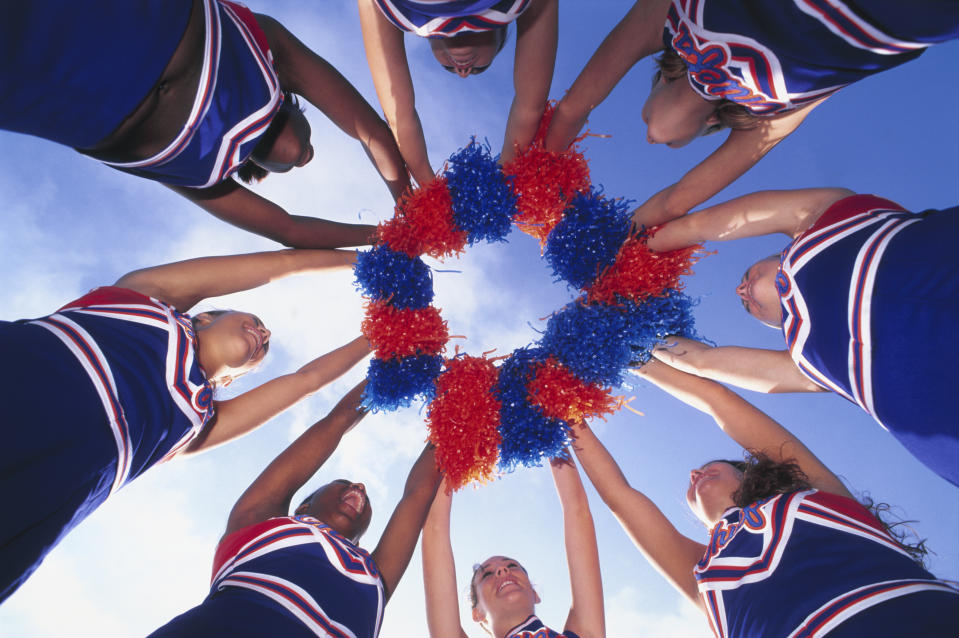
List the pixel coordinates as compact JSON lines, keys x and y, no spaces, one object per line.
{"x":481,"y":415}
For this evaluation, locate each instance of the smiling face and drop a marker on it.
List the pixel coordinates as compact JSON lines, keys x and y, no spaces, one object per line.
{"x":675,"y":114}
{"x":468,"y":53}
{"x":286,"y":142}
{"x":758,"y":294}
{"x":230,"y":343}
{"x":501,"y":587}
{"x":341,"y":504}
{"x":711,"y":488}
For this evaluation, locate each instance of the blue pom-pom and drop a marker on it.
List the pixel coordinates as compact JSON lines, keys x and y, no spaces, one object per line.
{"x":405,"y":281}
{"x":528,"y":436}
{"x":588,"y":238}
{"x":396,"y":383}
{"x":658,"y":317}
{"x":483,"y":203}
{"x":593,"y":341}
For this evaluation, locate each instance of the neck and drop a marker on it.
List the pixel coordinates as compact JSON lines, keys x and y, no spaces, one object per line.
{"x":506,"y":621}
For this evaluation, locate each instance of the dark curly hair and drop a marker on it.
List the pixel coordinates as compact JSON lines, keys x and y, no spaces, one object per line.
{"x":250,"y":172}
{"x":670,"y":66}
{"x":764,"y":477}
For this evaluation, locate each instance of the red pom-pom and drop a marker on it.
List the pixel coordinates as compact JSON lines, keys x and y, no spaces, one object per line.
{"x":544,"y":182}
{"x":561,"y":394}
{"x":638,"y":272}
{"x":463,"y":421}
{"x":404,"y":332}
{"x":423,"y":223}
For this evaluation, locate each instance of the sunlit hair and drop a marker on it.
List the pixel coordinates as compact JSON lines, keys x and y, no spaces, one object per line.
{"x":250,"y":172}
{"x":764,"y":477}
{"x":671,"y":67}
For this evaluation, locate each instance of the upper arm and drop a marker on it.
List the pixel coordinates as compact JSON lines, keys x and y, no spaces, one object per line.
{"x":755,"y":369}
{"x":789,"y":212}
{"x":672,"y":554}
{"x":586,"y":615}
{"x":386,"y":56}
{"x":637,"y":35}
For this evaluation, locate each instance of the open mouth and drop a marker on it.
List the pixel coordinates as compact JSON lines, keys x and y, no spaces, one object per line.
{"x":355,"y":499}
{"x":503,"y":585}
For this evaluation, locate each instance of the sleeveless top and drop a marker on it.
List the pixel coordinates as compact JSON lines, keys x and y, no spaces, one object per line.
{"x":444,"y":19}
{"x":140,"y":361}
{"x":533,"y":627}
{"x":772,"y":56}
{"x":800,"y":564}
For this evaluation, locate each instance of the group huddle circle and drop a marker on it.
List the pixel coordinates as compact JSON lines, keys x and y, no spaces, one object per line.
{"x":517,"y":410}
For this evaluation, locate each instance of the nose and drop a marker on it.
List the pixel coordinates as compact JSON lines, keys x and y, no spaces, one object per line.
{"x":464,"y":72}
{"x":742,"y":288}
{"x":694,"y":474}
{"x":265,"y":332}
{"x":359,"y":486}
{"x":649,"y":138}
{"x":502,"y":569}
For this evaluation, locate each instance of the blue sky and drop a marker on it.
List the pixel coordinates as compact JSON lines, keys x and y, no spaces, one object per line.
{"x":70,"y":224}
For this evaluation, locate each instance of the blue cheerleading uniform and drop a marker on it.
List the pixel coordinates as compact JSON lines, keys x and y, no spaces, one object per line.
{"x":287,"y":576}
{"x":74,"y":80}
{"x":121,"y":391}
{"x":869,"y":296}
{"x":771,"y":56}
{"x":533,"y":627}
{"x":840,"y":571}
{"x":432,"y":19}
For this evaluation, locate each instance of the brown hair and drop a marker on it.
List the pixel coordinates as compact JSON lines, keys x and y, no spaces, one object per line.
{"x":671,"y":67}
{"x":764,"y":477}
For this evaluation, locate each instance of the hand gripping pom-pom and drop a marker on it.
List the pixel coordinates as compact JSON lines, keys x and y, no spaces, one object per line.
{"x":658,"y":318}
{"x":528,"y":435}
{"x":562,"y":395}
{"x":638,"y":272}
{"x":398,"y":332}
{"x":588,"y":239}
{"x":463,"y":421}
{"x":483,"y":204}
{"x":384,"y":274}
{"x":396,"y":383}
{"x":423,"y":223}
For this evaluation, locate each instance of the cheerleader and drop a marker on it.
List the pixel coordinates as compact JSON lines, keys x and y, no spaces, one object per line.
{"x":464,"y":37}
{"x":501,"y":593}
{"x":277,"y":574}
{"x":790,"y":551}
{"x":122,"y":379}
{"x":757,"y":68}
{"x":187,"y":93}
{"x":859,"y":274}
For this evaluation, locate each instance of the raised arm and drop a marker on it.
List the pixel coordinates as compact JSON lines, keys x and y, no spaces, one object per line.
{"x":788,"y":212}
{"x":536,"y":38}
{"x":393,"y":552}
{"x":672,"y":554}
{"x":742,"y":422}
{"x":237,"y":416}
{"x":439,"y":571}
{"x":183,"y":284}
{"x":241,"y":207}
{"x":270,"y":494}
{"x":386,"y":56}
{"x":637,"y":35}
{"x":305,"y":73}
{"x":754,"y":369}
{"x":586,"y":616}
{"x":742,"y":149}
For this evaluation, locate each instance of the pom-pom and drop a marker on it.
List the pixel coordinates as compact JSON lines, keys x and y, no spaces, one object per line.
{"x":404,"y":332}
{"x":562,"y":395}
{"x":406,"y":282}
{"x":656,"y":318}
{"x":463,"y":421}
{"x":544,"y":182}
{"x":638,"y":272}
{"x":587,"y":240}
{"x":483,"y":204}
{"x":423,"y":223}
{"x":528,"y":435}
{"x":593,"y":341}
{"x":396,"y":383}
